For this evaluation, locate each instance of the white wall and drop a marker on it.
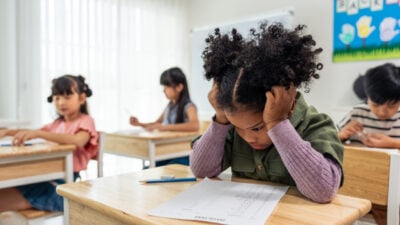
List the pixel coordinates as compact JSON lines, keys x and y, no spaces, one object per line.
{"x":333,"y":90}
{"x":8,"y":78}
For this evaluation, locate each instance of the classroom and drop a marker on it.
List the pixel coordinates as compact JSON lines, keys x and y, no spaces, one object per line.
{"x":121,"y":54}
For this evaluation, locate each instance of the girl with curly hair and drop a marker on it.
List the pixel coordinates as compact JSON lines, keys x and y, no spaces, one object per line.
{"x":263,"y":128}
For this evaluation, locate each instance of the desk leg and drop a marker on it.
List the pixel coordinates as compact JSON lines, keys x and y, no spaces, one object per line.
{"x":69,"y":173}
{"x":152,"y":154}
{"x":143,"y":163}
{"x":66,"y":212}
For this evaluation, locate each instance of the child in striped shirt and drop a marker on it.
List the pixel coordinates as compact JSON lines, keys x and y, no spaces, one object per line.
{"x":376,"y":123}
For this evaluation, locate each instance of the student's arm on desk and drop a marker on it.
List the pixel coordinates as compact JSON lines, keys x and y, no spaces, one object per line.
{"x":208,"y":151}
{"x":9,"y":132}
{"x":381,"y":141}
{"x":134,"y":121}
{"x":191,"y":125}
{"x":79,"y":139}
{"x":316,"y":177}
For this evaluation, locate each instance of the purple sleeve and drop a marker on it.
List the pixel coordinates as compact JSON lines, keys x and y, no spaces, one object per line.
{"x":316,"y":177}
{"x":208,"y":151}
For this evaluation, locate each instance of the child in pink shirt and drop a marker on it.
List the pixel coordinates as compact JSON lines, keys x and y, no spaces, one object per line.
{"x":73,"y":126}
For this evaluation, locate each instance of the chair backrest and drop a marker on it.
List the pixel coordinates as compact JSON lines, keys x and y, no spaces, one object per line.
{"x":99,"y":156}
{"x":373,"y":174}
{"x":366,"y":174}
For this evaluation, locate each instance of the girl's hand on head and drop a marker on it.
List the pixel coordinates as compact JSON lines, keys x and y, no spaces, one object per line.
{"x":220,"y":116}
{"x":378,"y":140}
{"x":279,"y":105}
{"x":351,"y":128}
{"x":22,"y":136}
{"x":134,"y":121}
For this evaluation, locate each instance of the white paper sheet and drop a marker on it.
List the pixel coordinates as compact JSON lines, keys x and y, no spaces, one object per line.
{"x":5,"y":141}
{"x":223,"y":202}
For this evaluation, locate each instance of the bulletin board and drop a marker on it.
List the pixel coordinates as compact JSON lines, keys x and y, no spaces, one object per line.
{"x":366,"y":30}
{"x":199,"y":86}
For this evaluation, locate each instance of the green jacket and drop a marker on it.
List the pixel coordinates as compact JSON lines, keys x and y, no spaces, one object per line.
{"x":314,"y":127}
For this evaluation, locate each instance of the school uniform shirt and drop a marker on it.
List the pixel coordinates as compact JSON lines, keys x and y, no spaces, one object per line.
{"x":81,"y":155}
{"x":371,"y":123}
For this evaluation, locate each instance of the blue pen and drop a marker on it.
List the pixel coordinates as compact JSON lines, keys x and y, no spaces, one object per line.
{"x":183,"y":179}
{"x":10,"y":145}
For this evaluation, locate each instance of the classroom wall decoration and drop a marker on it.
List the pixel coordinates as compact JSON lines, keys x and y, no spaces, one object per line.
{"x":366,"y":30}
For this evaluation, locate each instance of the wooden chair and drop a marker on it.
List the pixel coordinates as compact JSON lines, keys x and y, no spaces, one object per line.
{"x":373,"y":174}
{"x":34,"y":216}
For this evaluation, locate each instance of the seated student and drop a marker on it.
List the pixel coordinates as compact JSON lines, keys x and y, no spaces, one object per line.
{"x":73,"y":126}
{"x":180,"y":113}
{"x":376,"y":124}
{"x":263,"y":128}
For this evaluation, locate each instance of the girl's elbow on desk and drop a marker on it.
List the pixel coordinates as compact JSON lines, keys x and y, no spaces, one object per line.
{"x":201,"y":172}
{"x":322,"y":197}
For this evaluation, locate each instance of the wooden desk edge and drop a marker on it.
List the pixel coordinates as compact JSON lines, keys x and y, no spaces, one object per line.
{"x":99,"y":207}
{"x":156,"y":136}
{"x":362,"y":207}
{"x":388,"y":151}
{"x":53,"y":148}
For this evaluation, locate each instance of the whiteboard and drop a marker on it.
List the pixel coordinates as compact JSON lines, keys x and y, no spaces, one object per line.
{"x":199,"y":86}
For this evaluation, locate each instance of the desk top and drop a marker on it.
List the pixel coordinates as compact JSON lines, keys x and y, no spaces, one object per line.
{"x":35,"y":149}
{"x":360,"y":147}
{"x":125,"y":198}
{"x":154,"y":135}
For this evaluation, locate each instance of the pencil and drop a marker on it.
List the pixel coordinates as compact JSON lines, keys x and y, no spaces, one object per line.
{"x":182,"y":179}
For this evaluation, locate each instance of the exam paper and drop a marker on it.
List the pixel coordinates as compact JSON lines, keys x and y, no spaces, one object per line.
{"x":223,"y":202}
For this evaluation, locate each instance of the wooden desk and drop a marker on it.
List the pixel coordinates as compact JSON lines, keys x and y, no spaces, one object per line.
{"x":124,"y":200}
{"x":36,"y":163}
{"x":152,"y":146}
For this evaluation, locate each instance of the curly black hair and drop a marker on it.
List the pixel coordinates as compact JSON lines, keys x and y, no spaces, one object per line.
{"x":245,"y":69}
